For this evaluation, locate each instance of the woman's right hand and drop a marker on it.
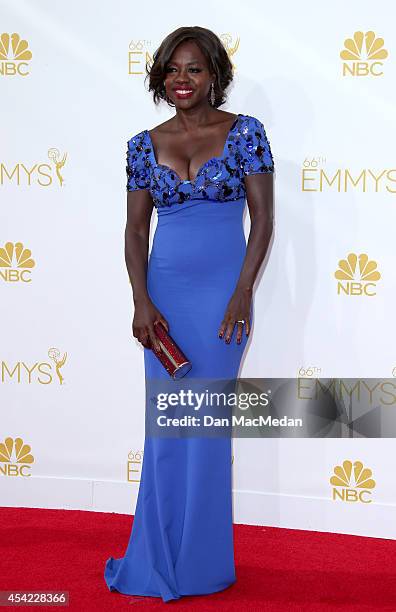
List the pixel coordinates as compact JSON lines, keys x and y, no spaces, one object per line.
{"x":146,"y":314}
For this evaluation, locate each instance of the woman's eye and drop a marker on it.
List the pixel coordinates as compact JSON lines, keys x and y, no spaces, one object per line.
{"x":193,"y":69}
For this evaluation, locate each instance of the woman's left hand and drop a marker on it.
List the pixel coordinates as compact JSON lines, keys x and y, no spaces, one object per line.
{"x":238,"y":308}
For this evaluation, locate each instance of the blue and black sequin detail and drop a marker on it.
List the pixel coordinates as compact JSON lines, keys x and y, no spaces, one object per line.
{"x":246,"y":151}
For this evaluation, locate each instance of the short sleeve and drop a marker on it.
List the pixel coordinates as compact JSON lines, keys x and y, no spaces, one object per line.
{"x":138,"y":165}
{"x":256,"y":150}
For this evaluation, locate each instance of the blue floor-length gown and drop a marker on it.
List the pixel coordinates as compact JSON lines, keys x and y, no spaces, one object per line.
{"x":181,"y":541}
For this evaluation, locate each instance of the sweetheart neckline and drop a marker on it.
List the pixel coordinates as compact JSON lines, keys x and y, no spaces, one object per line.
{"x":201,"y":168}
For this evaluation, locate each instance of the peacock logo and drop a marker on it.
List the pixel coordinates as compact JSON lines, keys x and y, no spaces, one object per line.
{"x":357,"y":275}
{"x":363,"y":55}
{"x":16,"y":263}
{"x":14,"y":55}
{"x":352,"y":482}
{"x":15,"y":457}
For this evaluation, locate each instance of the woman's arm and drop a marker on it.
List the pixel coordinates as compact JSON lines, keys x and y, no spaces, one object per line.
{"x":137,"y":232}
{"x":259,"y":193}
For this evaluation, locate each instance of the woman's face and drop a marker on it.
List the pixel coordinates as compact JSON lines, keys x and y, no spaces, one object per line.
{"x":188,"y":79}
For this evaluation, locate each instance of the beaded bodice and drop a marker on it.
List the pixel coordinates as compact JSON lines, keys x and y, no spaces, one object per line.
{"x":246,"y":151}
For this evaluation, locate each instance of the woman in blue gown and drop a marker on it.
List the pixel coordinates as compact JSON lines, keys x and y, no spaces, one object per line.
{"x":198,"y":282}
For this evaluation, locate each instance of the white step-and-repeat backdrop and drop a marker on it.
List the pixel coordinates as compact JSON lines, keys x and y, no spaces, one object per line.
{"x":72,"y":376}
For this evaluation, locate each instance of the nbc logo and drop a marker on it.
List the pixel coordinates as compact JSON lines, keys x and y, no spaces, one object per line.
{"x":15,"y":263}
{"x":15,"y":457}
{"x":14,"y":55}
{"x":362,"y":54}
{"x":352,"y":482}
{"x":357,"y":275}
{"x":134,"y":466}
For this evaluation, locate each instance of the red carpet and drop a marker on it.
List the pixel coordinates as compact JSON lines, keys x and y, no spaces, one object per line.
{"x":277,"y":569}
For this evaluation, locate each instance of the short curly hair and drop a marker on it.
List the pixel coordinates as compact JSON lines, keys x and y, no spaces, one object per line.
{"x":212,"y":48}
